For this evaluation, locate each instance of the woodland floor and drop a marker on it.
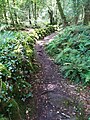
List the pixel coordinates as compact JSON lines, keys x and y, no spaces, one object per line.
{"x":56,"y":98}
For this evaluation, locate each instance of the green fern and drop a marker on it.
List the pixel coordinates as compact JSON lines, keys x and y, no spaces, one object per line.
{"x":71,"y":50}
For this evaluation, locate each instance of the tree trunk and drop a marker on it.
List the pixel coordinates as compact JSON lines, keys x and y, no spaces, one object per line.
{"x":32,"y":8}
{"x":63,"y":17}
{"x":30,"y":16}
{"x":12,"y":20}
{"x":4,"y":10}
{"x":56,"y":15}
{"x":15,"y":12}
{"x":35,"y":8}
{"x":76,"y":10}
{"x":86,"y":13}
{"x":51,"y":16}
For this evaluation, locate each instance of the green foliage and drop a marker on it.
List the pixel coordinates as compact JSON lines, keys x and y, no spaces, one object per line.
{"x":16,"y":63}
{"x":41,"y":33}
{"x":16,"y":60}
{"x":3,"y":118}
{"x":14,"y":111}
{"x":71,"y":50}
{"x":89,"y":118}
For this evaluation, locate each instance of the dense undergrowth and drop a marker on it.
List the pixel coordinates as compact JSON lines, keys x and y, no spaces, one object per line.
{"x":71,"y":50}
{"x":16,"y":66}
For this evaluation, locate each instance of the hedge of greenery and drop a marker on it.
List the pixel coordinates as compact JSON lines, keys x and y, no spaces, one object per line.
{"x":16,"y":63}
{"x":71,"y":50}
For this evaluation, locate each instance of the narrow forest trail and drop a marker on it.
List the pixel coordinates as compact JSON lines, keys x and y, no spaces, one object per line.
{"x":53,"y":99}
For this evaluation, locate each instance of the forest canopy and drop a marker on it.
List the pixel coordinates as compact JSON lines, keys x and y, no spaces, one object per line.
{"x":37,"y":12}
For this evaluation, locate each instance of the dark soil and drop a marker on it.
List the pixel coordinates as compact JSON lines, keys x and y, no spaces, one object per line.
{"x":54,"y":100}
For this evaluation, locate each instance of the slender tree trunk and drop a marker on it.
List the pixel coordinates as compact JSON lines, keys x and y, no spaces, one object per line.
{"x":32,"y":8}
{"x":15,"y":12}
{"x":35,"y":8}
{"x":12,"y":20}
{"x":56,"y":16}
{"x":82,"y":13}
{"x":30,"y":16}
{"x":63,"y":17}
{"x":76,"y":10}
{"x":4,"y":10}
{"x":87,"y":13}
{"x":51,"y":16}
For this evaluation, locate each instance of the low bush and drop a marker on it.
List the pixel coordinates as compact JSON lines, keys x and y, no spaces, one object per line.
{"x":71,"y":50}
{"x":42,"y":32}
{"x":16,"y":61}
{"x":16,"y":64}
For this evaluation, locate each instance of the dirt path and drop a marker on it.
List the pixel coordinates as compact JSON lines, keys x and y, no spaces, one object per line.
{"x":53,"y":99}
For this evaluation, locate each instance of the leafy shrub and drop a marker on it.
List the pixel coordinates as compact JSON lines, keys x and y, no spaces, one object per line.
{"x":16,"y":62}
{"x":41,"y":33}
{"x":3,"y":118}
{"x":14,"y":111}
{"x":71,"y":50}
